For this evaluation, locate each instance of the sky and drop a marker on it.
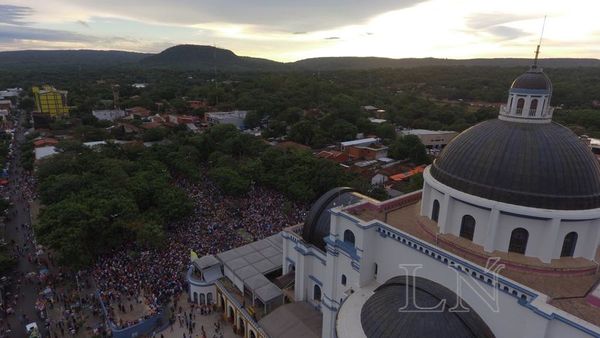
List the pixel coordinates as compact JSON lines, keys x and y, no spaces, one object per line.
{"x":289,"y":30}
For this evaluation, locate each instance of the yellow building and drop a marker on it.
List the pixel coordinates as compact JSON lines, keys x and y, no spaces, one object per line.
{"x":49,"y":100}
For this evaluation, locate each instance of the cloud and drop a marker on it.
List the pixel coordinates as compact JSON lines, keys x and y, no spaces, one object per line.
{"x":83,"y":23}
{"x":14,"y":15}
{"x":480,"y":21}
{"x":281,"y":15}
{"x":332,"y":38}
{"x":506,"y":33}
{"x":15,"y":33}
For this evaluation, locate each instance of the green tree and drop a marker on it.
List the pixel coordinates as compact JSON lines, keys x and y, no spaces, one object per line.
{"x":303,"y":132}
{"x":230,"y":181}
{"x":386,"y":132}
{"x":342,"y":130}
{"x":409,"y":147}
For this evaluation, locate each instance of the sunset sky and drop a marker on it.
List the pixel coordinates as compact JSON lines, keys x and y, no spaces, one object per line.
{"x":287,"y":30}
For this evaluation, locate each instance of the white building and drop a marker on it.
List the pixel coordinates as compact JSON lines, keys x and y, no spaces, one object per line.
{"x":363,"y":142}
{"x":501,"y":242}
{"x":432,"y":139}
{"x":235,"y":117}
{"x":109,"y":114}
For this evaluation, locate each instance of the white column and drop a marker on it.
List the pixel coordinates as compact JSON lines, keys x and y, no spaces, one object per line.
{"x":329,"y":318}
{"x":490,"y":237}
{"x":591,"y":242}
{"x":426,"y":200}
{"x":285,"y":254}
{"x":299,"y":288}
{"x":443,"y":217}
{"x":329,"y":289}
{"x":546,"y":247}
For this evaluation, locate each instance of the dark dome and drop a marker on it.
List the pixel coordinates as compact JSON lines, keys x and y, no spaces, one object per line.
{"x":316,"y":225}
{"x":388,"y":312}
{"x":541,"y":165}
{"x":532,"y":79}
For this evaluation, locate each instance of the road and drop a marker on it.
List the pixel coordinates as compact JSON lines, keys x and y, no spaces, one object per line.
{"x":14,"y":231}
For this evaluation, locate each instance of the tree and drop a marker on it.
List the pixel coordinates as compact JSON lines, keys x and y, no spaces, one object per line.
{"x":342,"y":130}
{"x":252,"y":119}
{"x":409,"y":147}
{"x":303,"y":132}
{"x":230,"y":181}
{"x":155,"y":134}
{"x":386,"y":132}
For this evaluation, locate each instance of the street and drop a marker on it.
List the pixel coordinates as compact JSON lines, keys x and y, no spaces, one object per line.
{"x":18,"y":229}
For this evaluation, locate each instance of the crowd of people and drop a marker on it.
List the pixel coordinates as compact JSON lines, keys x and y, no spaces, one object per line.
{"x":218,"y":223}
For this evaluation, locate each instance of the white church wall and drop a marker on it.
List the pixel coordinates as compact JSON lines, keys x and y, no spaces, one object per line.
{"x":535,"y":227}
{"x":583,"y":230}
{"x":481,"y":216}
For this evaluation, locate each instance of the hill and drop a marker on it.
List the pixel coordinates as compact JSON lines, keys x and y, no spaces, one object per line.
{"x":357,"y":63}
{"x":207,"y":58}
{"x":84,"y":57}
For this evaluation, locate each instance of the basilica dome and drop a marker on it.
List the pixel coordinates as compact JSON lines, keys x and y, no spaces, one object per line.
{"x":396,"y":310}
{"x":541,"y":165}
{"x":534,"y":79}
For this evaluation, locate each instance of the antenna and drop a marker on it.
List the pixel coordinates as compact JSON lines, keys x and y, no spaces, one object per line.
{"x":537,"y":50}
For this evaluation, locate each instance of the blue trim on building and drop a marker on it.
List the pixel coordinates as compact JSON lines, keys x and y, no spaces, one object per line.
{"x":529,"y":91}
{"x":305,"y":252}
{"x":316,"y":280}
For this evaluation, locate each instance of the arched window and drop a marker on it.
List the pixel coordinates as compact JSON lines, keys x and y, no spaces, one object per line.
{"x":349,"y":237}
{"x":343,"y":279}
{"x":533,"y":107}
{"x":252,"y":334}
{"x":317,"y":293}
{"x":467,"y":227}
{"x":518,"y":241}
{"x":209,"y":298}
{"x":568,"y":248}
{"x":202,"y":299}
{"x":435,"y":211}
{"x":520,"y":104}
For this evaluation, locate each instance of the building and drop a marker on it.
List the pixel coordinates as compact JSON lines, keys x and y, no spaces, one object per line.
{"x":500,"y":242}
{"x":235,"y":117}
{"x":244,"y":283}
{"x":198,"y":104}
{"x":432,"y":139}
{"x":6,"y":105}
{"x":44,"y":151}
{"x":138,"y":112}
{"x":50,"y":101}
{"x":109,"y":114}
{"x":364,"y":142}
{"x":183,"y":119}
{"x":334,"y":155}
{"x":373,"y":151}
{"x":377,"y":121}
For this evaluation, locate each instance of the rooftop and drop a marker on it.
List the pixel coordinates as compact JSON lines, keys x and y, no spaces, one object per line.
{"x":426,"y":132}
{"x":566,"y":281}
{"x":295,"y":320}
{"x":359,"y":142}
{"x":250,"y":263}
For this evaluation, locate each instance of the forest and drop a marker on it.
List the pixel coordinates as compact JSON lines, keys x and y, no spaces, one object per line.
{"x":451,"y":98}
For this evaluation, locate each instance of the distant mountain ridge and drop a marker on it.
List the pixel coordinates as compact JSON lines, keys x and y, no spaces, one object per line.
{"x":70,"y":57}
{"x":207,"y":58}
